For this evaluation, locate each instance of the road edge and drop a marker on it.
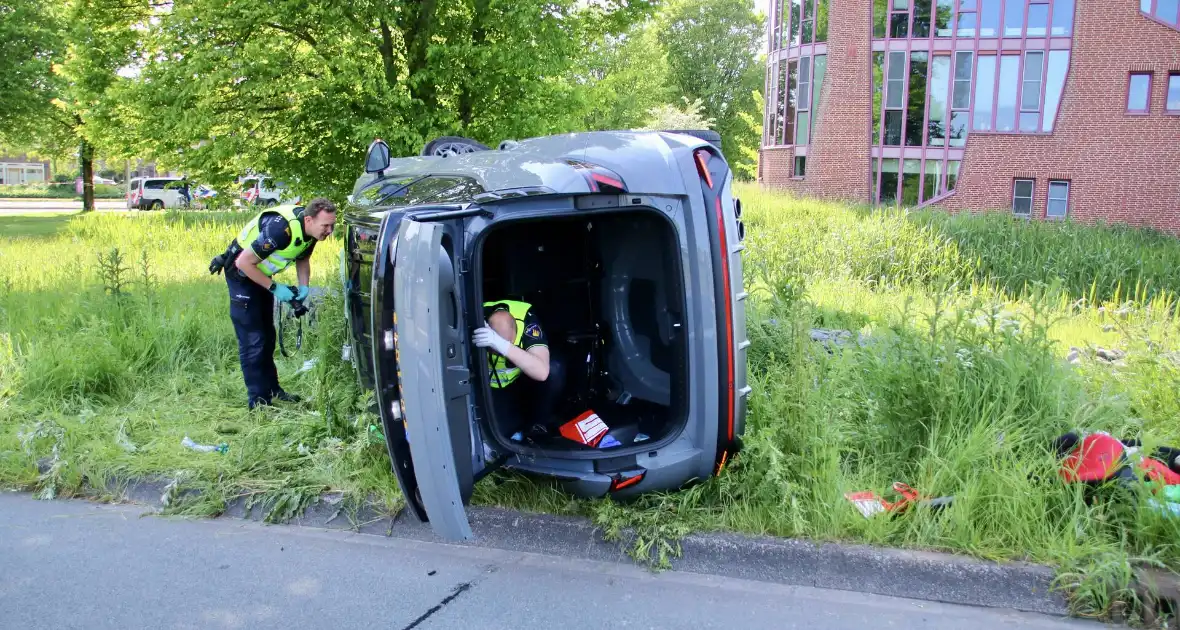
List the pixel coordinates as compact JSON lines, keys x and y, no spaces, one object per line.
{"x":922,"y":575}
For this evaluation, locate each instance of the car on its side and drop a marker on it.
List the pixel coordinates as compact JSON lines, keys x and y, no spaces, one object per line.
{"x":627,"y":244}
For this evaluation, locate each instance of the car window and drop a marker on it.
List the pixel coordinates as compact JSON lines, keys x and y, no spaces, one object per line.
{"x":383,"y":192}
{"x":155,"y":184}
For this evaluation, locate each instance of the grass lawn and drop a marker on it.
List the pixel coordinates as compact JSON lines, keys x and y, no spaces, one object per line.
{"x":108,"y":361}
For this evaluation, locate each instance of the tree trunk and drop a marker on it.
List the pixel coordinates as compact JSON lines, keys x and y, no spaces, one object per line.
{"x":86,"y":153}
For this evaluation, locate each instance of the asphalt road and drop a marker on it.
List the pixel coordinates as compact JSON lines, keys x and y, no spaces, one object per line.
{"x":73,"y":564}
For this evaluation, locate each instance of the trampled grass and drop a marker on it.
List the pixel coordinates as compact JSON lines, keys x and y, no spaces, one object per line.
{"x":959,"y":387}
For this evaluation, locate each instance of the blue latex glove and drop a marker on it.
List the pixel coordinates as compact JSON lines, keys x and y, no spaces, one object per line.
{"x":283,"y":293}
{"x":303,"y":291}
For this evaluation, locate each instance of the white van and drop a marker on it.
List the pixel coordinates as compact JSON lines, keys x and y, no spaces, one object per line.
{"x":265,"y":192}
{"x":157,"y":193}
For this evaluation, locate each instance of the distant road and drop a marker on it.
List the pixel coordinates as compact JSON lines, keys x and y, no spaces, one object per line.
{"x":21,"y":206}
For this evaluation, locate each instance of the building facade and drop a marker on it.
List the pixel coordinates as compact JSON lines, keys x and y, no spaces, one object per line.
{"x":1041,"y":108}
{"x":19,"y":170}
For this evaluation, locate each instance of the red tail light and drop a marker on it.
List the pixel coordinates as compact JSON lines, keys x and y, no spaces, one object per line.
{"x":626,"y":480}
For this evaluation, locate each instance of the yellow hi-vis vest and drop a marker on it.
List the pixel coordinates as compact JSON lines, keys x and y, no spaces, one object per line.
{"x":280,"y":259}
{"x":502,"y":375}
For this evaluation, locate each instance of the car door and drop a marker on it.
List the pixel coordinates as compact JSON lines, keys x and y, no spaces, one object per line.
{"x":421,"y":362}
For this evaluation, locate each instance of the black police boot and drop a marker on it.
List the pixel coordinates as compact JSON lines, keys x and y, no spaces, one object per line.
{"x":286,"y":397}
{"x":259,"y":401}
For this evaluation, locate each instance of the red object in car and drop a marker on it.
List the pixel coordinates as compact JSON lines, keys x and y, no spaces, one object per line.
{"x":1096,"y":458}
{"x":1156,"y":470}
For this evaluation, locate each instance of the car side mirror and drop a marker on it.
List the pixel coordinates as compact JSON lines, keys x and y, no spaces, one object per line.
{"x":377,"y":158}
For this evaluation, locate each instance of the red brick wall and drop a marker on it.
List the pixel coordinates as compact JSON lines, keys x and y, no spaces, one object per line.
{"x":1121,"y":168}
{"x":774,"y":168}
{"x":838,"y":159}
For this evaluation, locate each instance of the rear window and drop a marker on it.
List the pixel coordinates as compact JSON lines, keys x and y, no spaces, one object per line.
{"x":135,"y":184}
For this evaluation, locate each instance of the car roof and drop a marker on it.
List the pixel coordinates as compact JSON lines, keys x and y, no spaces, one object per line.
{"x":645,"y":160}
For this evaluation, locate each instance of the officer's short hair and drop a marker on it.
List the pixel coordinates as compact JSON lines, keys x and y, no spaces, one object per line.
{"x":318,"y":205}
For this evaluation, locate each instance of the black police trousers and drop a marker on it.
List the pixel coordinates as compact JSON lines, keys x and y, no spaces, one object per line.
{"x":251,"y":308}
{"x":525,"y":402}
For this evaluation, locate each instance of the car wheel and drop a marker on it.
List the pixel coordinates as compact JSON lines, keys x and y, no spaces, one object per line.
{"x":157,"y":205}
{"x":445,"y":146}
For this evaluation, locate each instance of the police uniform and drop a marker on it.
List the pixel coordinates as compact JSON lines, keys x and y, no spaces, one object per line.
{"x":276,"y":236}
{"x":518,"y":400}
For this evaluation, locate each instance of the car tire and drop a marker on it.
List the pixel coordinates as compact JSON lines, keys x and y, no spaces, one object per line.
{"x":444,"y":146}
{"x":157,"y":205}
{"x":708,"y":135}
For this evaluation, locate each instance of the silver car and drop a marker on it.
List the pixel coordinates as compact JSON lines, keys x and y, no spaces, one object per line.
{"x":629,"y":247}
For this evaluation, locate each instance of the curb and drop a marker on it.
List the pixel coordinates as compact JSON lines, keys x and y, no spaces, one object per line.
{"x":930,"y":576}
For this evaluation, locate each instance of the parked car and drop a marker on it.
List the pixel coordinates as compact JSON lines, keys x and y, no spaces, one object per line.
{"x":628,"y":245}
{"x":266,"y":192}
{"x":157,"y":193}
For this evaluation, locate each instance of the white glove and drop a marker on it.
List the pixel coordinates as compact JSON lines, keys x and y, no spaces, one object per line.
{"x":485,"y":337}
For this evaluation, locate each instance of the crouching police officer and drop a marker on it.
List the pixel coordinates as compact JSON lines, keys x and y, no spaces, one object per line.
{"x":268,"y":244}
{"x":519,"y":346}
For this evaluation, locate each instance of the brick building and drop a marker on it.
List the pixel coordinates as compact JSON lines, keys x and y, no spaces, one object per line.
{"x":1041,"y":108}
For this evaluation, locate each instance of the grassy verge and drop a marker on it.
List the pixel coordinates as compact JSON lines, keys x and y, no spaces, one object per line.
{"x":58,"y":191}
{"x":959,"y":389}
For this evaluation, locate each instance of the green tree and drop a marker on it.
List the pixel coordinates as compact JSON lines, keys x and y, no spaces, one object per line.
{"x":623,"y":79}
{"x":31,"y":41}
{"x":713,"y":52}
{"x":64,"y":56}
{"x":298,"y":88}
{"x":747,"y":168}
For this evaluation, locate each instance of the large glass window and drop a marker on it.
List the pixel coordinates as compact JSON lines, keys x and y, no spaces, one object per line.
{"x":1030,"y":90}
{"x":807,"y":22}
{"x":821,"y":20}
{"x":781,"y":123}
{"x":952,"y":174}
{"x":880,"y":18}
{"x":921,"y":18}
{"x":873,"y":183}
{"x":878,"y":86}
{"x":943,"y":12}
{"x":796,"y":20}
{"x":899,"y":19}
{"x":1013,"y":18}
{"x":911,"y":182}
{"x":1022,"y":197}
{"x":1173,"y":93}
{"x":940,"y":68}
{"x":916,"y":108}
{"x":894,"y":98}
{"x":1006,"y":99}
{"x":1062,"y":17}
{"x":1038,"y":20}
{"x":989,"y":18}
{"x":1165,"y":10}
{"x":1054,"y":84}
{"x":803,"y":126}
{"x":967,"y":22}
{"x":817,"y":82}
{"x":1139,"y":93}
{"x":930,"y":180}
{"x":962,"y":80}
{"x":792,"y":101}
{"x":985,"y":83}
{"x":889,"y":178}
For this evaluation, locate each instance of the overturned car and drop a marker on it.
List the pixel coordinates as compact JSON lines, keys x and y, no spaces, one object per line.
{"x":627,"y":245}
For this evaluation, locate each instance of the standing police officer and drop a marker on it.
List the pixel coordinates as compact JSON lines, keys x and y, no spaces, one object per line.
{"x":268,"y":244}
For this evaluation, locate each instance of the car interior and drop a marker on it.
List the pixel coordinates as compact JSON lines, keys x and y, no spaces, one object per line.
{"x":608,"y":293}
